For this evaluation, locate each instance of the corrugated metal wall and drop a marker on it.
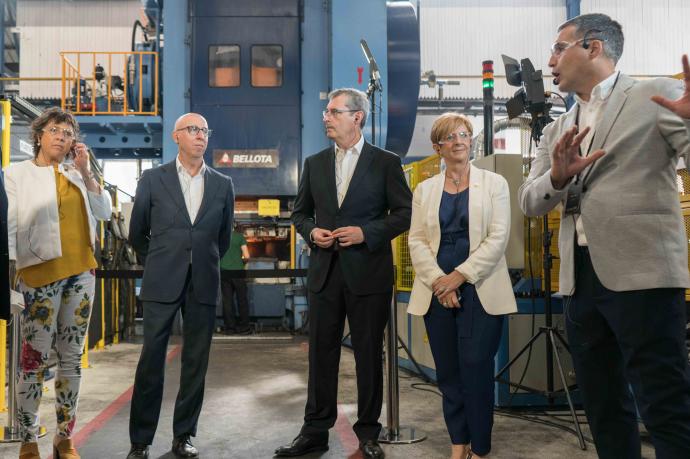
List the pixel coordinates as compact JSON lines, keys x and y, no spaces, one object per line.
{"x":656,"y":33}
{"x":48,"y":27}
{"x":457,"y":35}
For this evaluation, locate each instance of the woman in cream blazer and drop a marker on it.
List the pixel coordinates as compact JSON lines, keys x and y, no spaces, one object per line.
{"x":458,"y":235}
{"x":52,"y":213}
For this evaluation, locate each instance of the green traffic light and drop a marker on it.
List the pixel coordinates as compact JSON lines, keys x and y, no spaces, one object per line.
{"x":488,"y":83}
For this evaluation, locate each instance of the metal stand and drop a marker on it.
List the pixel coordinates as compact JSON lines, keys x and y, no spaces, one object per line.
{"x":10,"y":433}
{"x":552,"y":336}
{"x":393,"y":433}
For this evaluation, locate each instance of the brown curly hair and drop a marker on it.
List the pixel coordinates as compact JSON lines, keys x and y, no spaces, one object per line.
{"x":55,"y":115}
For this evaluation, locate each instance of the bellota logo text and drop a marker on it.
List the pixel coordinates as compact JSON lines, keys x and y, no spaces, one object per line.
{"x":252,"y":159}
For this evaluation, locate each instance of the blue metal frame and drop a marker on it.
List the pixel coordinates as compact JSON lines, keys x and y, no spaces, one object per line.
{"x":351,"y":21}
{"x":175,"y":68}
{"x":123,"y":136}
{"x":572,"y":8}
{"x":315,"y":75}
{"x":403,"y":75}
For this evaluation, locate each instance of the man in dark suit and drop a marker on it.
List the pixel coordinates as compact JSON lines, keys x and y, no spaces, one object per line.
{"x":4,"y":257}
{"x":180,"y":227}
{"x":352,"y":200}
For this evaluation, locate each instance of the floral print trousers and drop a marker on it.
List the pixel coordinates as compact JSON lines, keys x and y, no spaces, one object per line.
{"x":56,"y":315}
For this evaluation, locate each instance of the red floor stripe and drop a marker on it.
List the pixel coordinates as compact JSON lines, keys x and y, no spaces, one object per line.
{"x":111,"y":410}
{"x":346,"y":435}
{"x":343,"y":429}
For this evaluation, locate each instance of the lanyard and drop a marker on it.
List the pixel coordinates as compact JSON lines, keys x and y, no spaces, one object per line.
{"x":594,"y":132}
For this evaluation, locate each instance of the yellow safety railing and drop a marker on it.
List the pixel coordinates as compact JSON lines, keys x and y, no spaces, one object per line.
{"x":95,"y":95}
{"x":6,"y":108}
{"x":415,"y":173}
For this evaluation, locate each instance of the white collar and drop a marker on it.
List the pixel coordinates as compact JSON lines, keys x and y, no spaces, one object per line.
{"x":602,"y":91}
{"x":181,"y":168}
{"x":356,"y":149}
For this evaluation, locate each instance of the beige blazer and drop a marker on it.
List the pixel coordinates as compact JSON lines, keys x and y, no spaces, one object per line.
{"x":486,"y":268}
{"x":630,"y":210}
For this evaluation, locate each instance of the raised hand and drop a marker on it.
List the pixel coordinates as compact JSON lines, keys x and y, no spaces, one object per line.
{"x":680,"y":106}
{"x":566,"y":161}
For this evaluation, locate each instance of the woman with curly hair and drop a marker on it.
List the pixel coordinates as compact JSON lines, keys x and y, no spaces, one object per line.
{"x":52,"y":213}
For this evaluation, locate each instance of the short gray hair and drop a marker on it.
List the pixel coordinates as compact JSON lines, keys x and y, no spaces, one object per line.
{"x":356,"y":100}
{"x":600,"y":27}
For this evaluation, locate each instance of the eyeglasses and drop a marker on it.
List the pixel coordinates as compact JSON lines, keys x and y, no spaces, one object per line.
{"x":450,"y":138}
{"x":336,"y":111}
{"x":560,"y":46}
{"x":53,"y":130}
{"x":194,"y":130}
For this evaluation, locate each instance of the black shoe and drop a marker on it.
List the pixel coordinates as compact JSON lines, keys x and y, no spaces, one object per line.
{"x":244,"y":331}
{"x":182,"y":447}
{"x":302,"y":445}
{"x":371,"y":448}
{"x":138,"y":451}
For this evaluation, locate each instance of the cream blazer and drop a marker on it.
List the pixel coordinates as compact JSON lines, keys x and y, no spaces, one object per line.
{"x":32,"y":217}
{"x":489,"y":219}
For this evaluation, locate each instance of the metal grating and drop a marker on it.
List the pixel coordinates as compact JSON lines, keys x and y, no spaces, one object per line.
{"x":683,"y":180}
{"x":685,"y":207}
{"x":415,"y":173}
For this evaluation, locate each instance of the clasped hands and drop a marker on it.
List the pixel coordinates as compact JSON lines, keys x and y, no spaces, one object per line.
{"x":346,"y":236}
{"x":446,"y":289}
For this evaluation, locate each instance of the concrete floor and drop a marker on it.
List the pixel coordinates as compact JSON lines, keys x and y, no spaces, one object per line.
{"x":255,"y":395}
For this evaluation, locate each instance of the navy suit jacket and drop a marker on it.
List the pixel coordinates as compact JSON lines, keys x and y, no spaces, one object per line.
{"x":378,"y":200}
{"x":4,"y":257}
{"x":166,"y":240}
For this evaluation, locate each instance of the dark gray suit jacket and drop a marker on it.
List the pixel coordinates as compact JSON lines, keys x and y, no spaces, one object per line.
{"x":165,"y":239}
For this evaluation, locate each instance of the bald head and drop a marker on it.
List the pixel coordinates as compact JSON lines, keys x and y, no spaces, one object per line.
{"x":190,"y":119}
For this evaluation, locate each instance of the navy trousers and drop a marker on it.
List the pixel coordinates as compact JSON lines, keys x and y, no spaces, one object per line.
{"x":463,"y":343}
{"x":630,"y":339}
{"x":198,"y":323}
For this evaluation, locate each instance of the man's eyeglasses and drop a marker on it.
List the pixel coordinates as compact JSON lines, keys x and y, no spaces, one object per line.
{"x":560,"y":46}
{"x":53,"y":130}
{"x":450,"y":138}
{"x":336,"y":111}
{"x":194,"y":130}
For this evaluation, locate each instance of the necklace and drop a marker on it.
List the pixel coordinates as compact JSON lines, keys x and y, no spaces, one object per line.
{"x":456,"y":182}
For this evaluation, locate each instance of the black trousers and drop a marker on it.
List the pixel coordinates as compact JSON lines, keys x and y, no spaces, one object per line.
{"x":231,"y":287}
{"x":198,"y":323}
{"x":367,"y":316}
{"x":623,"y":340}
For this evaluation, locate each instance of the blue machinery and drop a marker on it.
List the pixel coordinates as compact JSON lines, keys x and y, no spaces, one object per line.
{"x":260,"y":71}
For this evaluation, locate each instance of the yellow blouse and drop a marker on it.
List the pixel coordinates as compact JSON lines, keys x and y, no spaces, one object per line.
{"x":77,"y":254}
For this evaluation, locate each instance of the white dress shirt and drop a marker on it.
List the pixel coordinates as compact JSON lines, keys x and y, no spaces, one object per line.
{"x":349,"y":163}
{"x":192,"y":188}
{"x":590,"y":114}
